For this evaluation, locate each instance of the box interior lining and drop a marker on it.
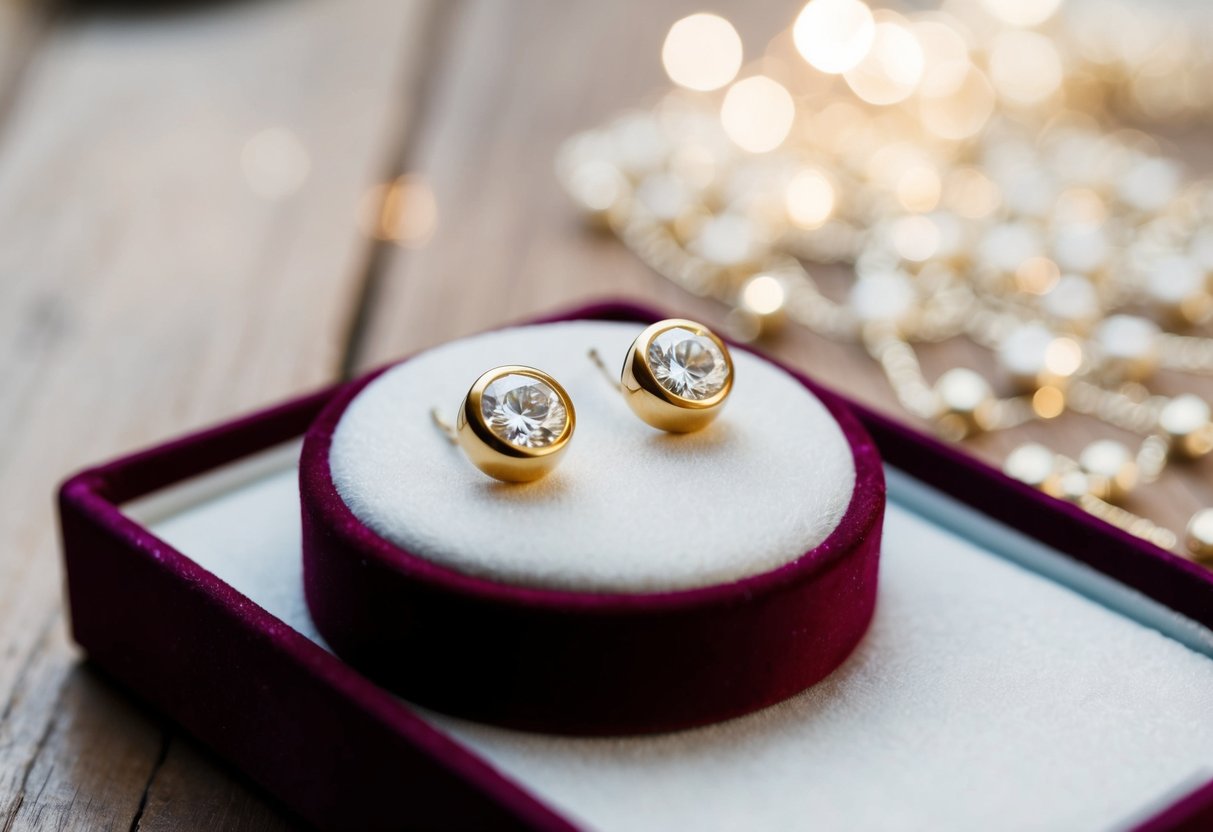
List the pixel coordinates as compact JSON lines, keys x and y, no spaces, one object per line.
{"x":965,"y":706}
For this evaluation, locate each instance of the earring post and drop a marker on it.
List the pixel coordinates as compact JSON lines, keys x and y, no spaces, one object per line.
{"x":444,"y":427}
{"x":601,"y":365}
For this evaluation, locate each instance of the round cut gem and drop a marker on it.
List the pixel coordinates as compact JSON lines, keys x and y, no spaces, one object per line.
{"x":687,"y":364}
{"x":523,"y":411}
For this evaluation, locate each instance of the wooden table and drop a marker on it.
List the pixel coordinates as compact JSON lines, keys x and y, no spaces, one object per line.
{"x":159,"y":271}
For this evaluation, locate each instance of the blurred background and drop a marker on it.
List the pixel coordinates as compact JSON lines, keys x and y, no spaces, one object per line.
{"x":208,"y":207}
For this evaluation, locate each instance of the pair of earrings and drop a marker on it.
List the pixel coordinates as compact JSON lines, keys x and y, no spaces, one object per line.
{"x":515,"y":422}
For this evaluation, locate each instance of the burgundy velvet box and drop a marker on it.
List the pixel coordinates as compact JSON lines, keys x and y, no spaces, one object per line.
{"x":344,"y":753}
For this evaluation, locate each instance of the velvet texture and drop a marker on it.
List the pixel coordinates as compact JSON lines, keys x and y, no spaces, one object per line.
{"x":341,"y":752}
{"x":586,"y":663}
{"x":334,"y":748}
{"x":1193,"y":813}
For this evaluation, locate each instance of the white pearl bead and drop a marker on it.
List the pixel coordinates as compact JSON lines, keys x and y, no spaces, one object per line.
{"x":639,"y":144}
{"x":1128,"y":345}
{"x":726,"y":240}
{"x":965,"y":400}
{"x":1024,"y":353}
{"x":883,"y":297}
{"x":1199,"y":535}
{"x":1111,"y":468}
{"x":1072,"y":300}
{"x":1008,"y":244}
{"x":666,"y":197}
{"x":1185,"y":420}
{"x":1081,"y":247}
{"x":1174,"y":279}
{"x":1149,"y":183}
{"x":1031,"y":463}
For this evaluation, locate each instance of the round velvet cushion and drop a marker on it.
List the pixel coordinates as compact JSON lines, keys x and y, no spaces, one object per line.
{"x":649,"y":511}
{"x":651,"y":582}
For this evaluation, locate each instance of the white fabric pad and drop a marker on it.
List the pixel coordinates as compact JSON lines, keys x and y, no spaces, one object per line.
{"x":984,"y":697}
{"x":630,"y":508}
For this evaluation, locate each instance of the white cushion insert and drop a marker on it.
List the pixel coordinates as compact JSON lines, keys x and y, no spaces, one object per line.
{"x":630,"y":508}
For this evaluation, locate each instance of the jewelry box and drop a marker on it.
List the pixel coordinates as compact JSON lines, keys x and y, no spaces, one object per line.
{"x":653,"y":582}
{"x":1028,"y":665}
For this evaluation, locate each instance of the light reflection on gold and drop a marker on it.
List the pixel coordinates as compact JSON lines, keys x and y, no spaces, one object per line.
{"x":757,"y":113}
{"x":1063,"y":357}
{"x":892,"y":68}
{"x":834,"y":35}
{"x":1022,"y":12}
{"x":1037,"y":275}
{"x":1048,"y":402}
{"x":702,"y":52}
{"x":275,"y":163}
{"x":404,"y":212}
{"x":810,"y":198}
{"x":1025,"y":67}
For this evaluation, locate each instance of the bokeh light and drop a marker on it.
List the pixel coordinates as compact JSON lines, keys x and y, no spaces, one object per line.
{"x":1048,"y":402}
{"x":1063,"y":357}
{"x":946,"y":56}
{"x":915,"y":238}
{"x":702,"y":52}
{"x":810,"y":198}
{"x":891,"y":70}
{"x":1025,"y":67}
{"x":404,"y":212}
{"x":918,"y":188}
{"x":1022,"y":12}
{"x":962,"y":113}
{"x":757,"y":113}
{"x":970,"y":193}
{"x":1037,"y":275}
{"x":834,"y":35}
{"x":763,"y":294}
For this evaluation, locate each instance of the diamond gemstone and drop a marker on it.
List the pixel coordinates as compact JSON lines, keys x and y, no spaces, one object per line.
{"x":688,"y":365}
{"x":523,"y":411}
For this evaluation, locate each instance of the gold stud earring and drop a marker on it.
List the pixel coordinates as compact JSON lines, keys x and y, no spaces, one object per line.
{"x":514,"y":424}
{"x":676,"y":376}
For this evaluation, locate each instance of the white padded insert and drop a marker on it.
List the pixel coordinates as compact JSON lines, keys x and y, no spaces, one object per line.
{"x":984,"y":697}
{"x":630,"y":508}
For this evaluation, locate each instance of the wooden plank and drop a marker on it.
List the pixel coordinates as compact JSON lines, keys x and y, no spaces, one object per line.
{"x":522,"y":78}
{"x":22,"y":27}
{"x":178,"y":242}
{"x":193,"y":790}
{"x":93,"y":752}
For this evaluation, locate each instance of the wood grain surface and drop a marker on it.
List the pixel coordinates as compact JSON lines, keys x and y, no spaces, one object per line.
{"x":158,"y":274}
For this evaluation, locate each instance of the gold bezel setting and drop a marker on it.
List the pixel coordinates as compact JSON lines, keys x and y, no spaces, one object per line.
{"x":655,"y":403}
{"x":498,"y":457}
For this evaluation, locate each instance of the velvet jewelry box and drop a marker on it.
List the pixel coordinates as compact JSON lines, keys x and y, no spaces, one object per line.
{"x":1028,"y":665}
